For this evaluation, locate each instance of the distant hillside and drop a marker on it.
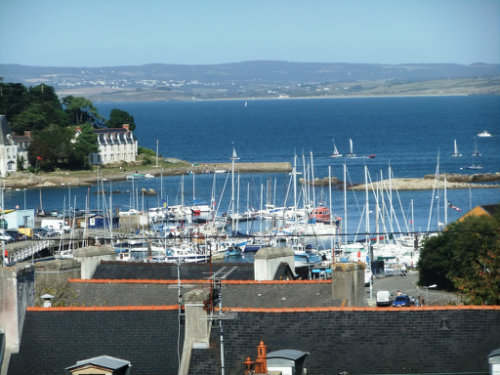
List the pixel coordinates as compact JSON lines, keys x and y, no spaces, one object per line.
{"x":259,"y":79}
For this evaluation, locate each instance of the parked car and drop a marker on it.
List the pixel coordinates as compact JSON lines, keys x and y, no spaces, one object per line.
{"x":15,"y":235}
{"x":384,"y":298}
{"x":402,"y":301}
{"x":5,"y":237}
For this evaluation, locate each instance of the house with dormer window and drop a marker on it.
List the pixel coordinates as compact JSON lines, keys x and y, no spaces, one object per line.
{"x":115,"y":145}
{"x":12,"y":148}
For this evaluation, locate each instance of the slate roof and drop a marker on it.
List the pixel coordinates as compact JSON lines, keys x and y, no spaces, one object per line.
{"x":168,"y":271}
{"x":53,"y":340}
{"x":244,"y":294}
{"x":361,"y":341}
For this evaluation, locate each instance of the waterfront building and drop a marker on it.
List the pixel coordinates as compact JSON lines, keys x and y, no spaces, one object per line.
{"x":115,"y":145}
{"x":13,"y":148}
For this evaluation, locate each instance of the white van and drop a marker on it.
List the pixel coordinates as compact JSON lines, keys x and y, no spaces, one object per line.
{"x":384,"y":298}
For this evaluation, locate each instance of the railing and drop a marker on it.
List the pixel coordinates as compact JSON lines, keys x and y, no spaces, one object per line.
{"x":28,"y":250}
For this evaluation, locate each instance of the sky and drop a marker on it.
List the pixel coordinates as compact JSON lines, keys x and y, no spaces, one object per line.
{"x":96,"y":33}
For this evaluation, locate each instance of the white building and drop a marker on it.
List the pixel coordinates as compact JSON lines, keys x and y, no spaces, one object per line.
{"x":115,"y":145}
{"x":12,"y":146}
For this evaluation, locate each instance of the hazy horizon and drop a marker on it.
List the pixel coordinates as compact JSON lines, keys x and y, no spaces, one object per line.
{"x":92,"y":33}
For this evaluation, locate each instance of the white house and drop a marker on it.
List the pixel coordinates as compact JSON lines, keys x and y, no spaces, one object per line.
{"x":115,"y":145}
{"x":12,"y":146}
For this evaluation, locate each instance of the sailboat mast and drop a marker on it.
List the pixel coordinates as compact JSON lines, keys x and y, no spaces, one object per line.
{"x":312,"y":180}
{"x":345,"y":203}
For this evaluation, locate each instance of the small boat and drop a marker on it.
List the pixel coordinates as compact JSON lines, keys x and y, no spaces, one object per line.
{"x":335,"y":153}
{"x":233,"y":252}
{"x":372,"y":156}
{"x":455,"y":149}
{"x":483,"y":134}
{"x":351,"y":153}
{"x":320,"y":214}
{"x":148,"y":175}
{"x":474,"y":167}
{"x":476,"y":152}
{"x":134,"y":176}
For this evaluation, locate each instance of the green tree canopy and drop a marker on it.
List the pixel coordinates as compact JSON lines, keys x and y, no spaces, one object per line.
{"x":465,"y":258}
{"x":81,"y":110}
{"x":117,"y":118}
{"x":85,"y":144}
{"x":13,"y":99}
{"x":51,"y":148}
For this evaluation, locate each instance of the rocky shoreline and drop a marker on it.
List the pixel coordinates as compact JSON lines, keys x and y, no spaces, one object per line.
{"x":21,"y":180}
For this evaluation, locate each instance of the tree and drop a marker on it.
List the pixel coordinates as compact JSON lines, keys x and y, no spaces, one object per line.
{"x":81,"y":110}
{"x":465,"y":258}
{"x":13,"y":99}
{"x":85,"y":144}
{"x":117,"y":118}
{"x":51,"y":148}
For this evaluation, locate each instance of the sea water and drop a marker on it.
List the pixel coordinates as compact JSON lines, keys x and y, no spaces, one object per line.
{"x":407,"y":134}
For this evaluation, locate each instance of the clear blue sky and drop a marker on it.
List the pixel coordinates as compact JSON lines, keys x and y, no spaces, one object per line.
{"x":131,"y":32}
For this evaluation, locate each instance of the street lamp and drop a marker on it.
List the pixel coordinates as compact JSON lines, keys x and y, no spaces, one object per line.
{"x":427,"y":291}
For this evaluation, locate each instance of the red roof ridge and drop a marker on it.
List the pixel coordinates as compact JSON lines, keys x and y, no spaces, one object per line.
{"x":194,"y":281}
{"x":105,"y":308}
{"x":356,"y":308}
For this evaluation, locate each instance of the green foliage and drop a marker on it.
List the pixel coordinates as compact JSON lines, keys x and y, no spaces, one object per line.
{"x":118,"y":117}
{"x":38,"y":109}
{"x":145,"y":151}
{"x":63,"y":294}
{"x":13,"y":99}
{"x":53,"y":146}
{"x":81,"y":110}
{"x":85,"y":144}
{"x":20,"y":163}
{"x":465,"y":258}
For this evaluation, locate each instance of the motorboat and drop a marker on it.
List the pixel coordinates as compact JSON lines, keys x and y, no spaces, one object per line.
{"x":483,"y":134}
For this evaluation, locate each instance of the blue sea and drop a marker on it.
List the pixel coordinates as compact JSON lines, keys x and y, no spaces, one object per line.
{"x":407,"y":134}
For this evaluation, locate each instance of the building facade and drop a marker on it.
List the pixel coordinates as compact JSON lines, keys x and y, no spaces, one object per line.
{"x":115,"y":145}
{"x":13,"y":148}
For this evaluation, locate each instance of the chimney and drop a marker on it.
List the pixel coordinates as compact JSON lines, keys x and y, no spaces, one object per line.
{"x":17,"y":284}
{"x":27,"y":133}
{"x":47,"y":300}
{"x":348,"y":284}
{"x":260,"y":361}
{"x":126,"y":126}
{"x":77,"y":129}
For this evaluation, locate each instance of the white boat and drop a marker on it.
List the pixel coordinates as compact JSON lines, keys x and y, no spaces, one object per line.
{"x":455,"y":149}
{"x":476,"y":152}
{"x":474,"y":167}
{"x":335,"y":153}
{"x":351,"y":153}
{"x":483,"y":134}
{"x":186,"y":253}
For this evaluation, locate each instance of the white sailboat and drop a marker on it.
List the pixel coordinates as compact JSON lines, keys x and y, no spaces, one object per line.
{"x":455,"y":149}
{"x":351,"y":153}
{"x":476,"y":152}
{"x":335,"y":153}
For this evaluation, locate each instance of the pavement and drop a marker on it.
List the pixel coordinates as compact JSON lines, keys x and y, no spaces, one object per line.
{"x":408,"y":285}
